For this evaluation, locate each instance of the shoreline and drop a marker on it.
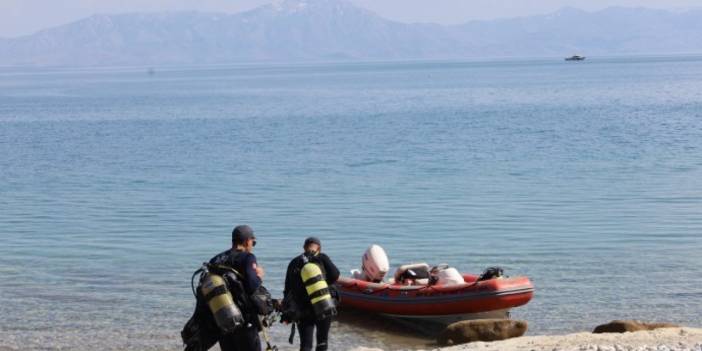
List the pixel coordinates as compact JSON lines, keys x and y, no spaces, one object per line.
{"x":668,"y":339}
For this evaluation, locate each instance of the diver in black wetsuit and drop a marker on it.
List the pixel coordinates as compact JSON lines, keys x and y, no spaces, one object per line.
{"x":295,"y":289}
{"x":242,"y":259}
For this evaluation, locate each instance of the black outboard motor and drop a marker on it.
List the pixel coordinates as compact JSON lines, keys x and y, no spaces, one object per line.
{"x":492,"y":273}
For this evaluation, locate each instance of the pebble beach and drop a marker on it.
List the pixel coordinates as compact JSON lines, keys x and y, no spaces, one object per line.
{"x":669,"y":339}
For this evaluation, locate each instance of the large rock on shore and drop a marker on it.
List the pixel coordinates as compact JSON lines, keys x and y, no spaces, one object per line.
{"x":481,"y":330}
{"x":630,"y":326}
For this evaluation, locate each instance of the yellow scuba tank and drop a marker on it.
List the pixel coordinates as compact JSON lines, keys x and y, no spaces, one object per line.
{"x":317,"y":290}
{"x":226,"y":313}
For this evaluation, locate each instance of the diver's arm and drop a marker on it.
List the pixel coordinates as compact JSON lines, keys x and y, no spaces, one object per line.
{"x":332,"y":273}
{"x":289,"y":279}
{"x":252,"y":279}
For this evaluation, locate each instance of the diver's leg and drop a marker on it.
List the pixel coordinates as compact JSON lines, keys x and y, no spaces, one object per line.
{"x":306,"y":330}
{"x":244,"y":339}
{"x":254,"y":340}
{"x":323,"y":328}
{"x":228,"y":342}
{"x":248,"y":339}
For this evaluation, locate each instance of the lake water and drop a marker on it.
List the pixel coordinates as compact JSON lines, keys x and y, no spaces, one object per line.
{"x":115,"y":184}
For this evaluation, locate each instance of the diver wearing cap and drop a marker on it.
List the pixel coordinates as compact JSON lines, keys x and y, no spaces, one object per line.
{"x":241,"y":258}
{"x":308,"y":288}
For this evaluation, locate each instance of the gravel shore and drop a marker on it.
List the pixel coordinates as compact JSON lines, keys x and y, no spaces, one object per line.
{"x":670,"y":339}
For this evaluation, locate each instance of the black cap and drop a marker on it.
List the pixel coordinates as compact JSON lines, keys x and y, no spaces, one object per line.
{"x":312,"y":240}
{"x":241,"y":233}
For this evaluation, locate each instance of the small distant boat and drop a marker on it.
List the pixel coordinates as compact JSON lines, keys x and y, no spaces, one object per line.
{"x":575,"y":58}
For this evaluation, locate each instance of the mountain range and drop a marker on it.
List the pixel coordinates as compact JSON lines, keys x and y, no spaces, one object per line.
{"x":333,"y":30}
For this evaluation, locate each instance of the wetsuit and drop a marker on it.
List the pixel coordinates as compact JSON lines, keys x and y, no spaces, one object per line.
{"x":296,"y":288}
{"x":244,"y":339}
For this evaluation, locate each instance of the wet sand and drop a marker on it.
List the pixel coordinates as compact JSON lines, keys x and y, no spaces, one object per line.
{"x":380,"y":332}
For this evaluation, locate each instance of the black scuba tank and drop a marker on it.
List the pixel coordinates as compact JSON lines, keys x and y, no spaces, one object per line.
{"x":317,"y":289}
{"x":220,"y":301}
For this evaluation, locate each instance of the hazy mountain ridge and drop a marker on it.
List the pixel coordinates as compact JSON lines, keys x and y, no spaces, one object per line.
{"x":305,"y":30}
{"x":615,"y":30}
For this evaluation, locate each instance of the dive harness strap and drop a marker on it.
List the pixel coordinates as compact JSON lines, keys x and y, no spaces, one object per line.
{"x":192,"y":280}
{"x":313,"y":280}
{"x":291,"y":338}
{"x":319,"y":293}
{"x":216,"y":292}
{"x":208,"y":267}
{"x":219,"y":268}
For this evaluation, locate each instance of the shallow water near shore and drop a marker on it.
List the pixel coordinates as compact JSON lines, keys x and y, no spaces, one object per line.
{"x":115,"y":184}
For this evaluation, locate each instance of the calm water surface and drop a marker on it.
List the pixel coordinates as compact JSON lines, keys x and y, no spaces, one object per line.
{"x":116,"y":184}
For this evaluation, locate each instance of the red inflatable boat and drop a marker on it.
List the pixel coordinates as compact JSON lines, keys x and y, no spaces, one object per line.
{"x":444,"y":304}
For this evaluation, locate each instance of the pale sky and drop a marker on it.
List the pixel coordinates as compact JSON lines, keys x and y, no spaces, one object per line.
{"x":20,"y":17}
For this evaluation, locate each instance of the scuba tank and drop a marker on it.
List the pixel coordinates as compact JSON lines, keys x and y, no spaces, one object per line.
{"x":317,"y":289}
{"x":220,"y":301}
